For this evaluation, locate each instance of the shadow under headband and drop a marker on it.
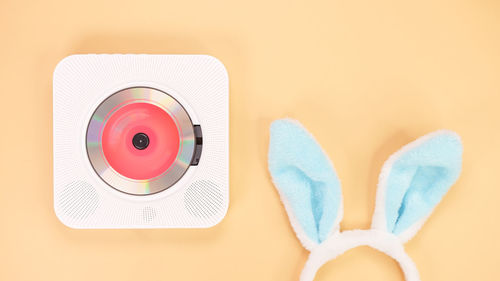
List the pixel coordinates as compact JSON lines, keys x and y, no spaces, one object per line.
{"x":412,"y":182}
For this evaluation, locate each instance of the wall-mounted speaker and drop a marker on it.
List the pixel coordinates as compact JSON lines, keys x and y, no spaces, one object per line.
{"x":141,"y":141}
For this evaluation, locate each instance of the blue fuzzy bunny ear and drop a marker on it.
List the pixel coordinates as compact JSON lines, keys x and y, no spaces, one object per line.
{"x":306,"y":181}
{"x":414,"y":180}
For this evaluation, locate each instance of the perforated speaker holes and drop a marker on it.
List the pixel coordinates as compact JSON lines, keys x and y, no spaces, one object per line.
{"x":148,"y":214}
{"x":203,"y":199}
{"x":79,"y":200}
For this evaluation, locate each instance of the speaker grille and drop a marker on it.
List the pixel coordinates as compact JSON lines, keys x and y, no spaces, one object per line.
{"x":79,"y":200}
{"x":148,"y":214}
{"x":203,"y":199}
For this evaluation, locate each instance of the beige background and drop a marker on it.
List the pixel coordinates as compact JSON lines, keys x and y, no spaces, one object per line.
{"x":365,"y":77}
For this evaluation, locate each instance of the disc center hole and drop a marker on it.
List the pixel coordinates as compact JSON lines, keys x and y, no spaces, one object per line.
{"x":140,"y":141}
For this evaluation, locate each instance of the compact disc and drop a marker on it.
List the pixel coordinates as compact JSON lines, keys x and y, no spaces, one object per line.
{"x":140,"y":140}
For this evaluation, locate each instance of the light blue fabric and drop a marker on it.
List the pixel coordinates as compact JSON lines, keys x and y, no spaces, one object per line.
{"x":305,"y":177}
{"x":419,"y":178}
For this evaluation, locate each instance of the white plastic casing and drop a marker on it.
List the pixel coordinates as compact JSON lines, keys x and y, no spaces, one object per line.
{"x":82,"y":199}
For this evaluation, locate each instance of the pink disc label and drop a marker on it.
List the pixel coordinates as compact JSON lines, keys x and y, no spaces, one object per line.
{"x":130,"y":120}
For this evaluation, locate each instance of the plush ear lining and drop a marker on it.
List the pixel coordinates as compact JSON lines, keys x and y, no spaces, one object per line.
{"x":414,"y":180}
{"x":306,"y":181}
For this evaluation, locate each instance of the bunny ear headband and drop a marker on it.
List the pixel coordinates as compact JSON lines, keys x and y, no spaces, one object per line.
{"x":411,"y":184}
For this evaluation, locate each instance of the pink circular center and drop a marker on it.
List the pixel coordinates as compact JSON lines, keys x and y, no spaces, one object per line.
{"x":130,"y":120}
